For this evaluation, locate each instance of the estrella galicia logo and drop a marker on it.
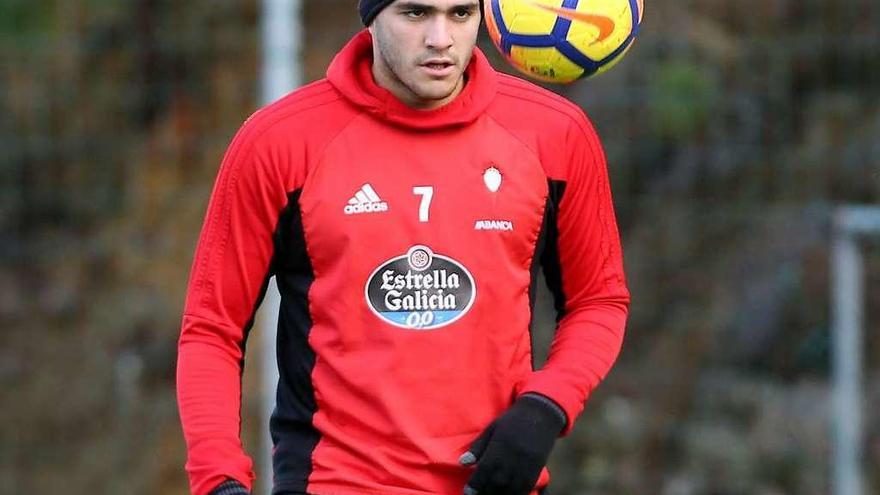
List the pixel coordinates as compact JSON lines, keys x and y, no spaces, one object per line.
{"x":420,"y":290}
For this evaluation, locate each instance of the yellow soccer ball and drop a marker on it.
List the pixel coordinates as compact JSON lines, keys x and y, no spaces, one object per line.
{"x":562,"y":41}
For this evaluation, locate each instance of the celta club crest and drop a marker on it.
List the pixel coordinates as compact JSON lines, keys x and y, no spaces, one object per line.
{"x":492,"y":179}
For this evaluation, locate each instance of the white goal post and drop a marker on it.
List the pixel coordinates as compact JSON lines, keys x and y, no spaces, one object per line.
{"x":850,"y":225}
{"x":281,"y":41}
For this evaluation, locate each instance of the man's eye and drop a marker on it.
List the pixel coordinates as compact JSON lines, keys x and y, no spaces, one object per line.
{"x":414,"y":13}
{"x":461,"y":14}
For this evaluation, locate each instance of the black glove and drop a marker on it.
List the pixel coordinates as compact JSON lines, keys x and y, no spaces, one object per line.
{"x":511,"y":452}
{"x":230,"y":487}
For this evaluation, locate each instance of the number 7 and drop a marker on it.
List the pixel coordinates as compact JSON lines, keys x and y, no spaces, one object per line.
{"x":426,"y":192}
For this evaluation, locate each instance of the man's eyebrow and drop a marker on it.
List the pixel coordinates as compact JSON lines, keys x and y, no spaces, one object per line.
{"x":432,"y":8}
{"x":413,"y":5}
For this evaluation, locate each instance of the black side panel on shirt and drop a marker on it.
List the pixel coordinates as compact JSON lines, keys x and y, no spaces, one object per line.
{"x":547,"y":256}
{"x":534,"y":269}
{"x":547,"y":251}
{"x":293,"y":435}
{"x":550,"y":256}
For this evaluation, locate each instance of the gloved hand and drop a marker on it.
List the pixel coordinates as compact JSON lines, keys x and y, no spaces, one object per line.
{"x":511,"y":451}
{"x":230,"y":487}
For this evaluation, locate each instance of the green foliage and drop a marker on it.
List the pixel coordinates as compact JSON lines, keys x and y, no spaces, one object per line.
{"x":23,"y":17}
{"x":683,"y":95}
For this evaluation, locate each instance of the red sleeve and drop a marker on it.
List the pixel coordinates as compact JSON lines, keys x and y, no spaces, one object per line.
{"x":228,"y":277}
{"x":593,"y":287}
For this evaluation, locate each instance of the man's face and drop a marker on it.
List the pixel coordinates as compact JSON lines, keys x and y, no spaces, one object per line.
{"x":422,"y":47}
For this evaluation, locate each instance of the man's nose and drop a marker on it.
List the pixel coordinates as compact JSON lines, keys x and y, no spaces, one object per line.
{"x":439,"y":36}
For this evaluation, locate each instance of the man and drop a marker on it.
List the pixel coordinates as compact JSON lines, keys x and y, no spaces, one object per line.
{"x":404,"y":205}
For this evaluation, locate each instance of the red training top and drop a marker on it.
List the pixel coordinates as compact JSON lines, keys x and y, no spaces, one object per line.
{"x":406,"y":245}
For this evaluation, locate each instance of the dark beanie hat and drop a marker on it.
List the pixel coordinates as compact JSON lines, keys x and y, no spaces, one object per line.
{"x":369,"y":9}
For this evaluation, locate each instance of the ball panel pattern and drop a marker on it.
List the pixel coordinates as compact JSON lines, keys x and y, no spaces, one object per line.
{"x":527,"y":20}
{"x":589,"y":39}
{"x":563,"y":40}
{"x":546,"y":64}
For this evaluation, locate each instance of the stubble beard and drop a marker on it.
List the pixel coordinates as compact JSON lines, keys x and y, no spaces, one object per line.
{"x":396,"y":66}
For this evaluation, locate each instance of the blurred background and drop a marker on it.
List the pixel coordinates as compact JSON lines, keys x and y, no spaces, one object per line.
{"x":732,"y":129}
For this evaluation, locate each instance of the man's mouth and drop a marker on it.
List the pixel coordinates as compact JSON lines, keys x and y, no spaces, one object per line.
{"x":438,"y":67}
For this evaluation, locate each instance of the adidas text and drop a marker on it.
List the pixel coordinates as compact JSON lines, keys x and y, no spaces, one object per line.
{"x":365,"y":200}
{"x":366,"y":208}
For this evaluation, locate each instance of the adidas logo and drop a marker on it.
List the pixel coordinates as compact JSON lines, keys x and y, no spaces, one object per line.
{"x":365,"y":201}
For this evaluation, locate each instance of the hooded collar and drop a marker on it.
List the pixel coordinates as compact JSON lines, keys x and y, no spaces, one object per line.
{"x":351,"y":74}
